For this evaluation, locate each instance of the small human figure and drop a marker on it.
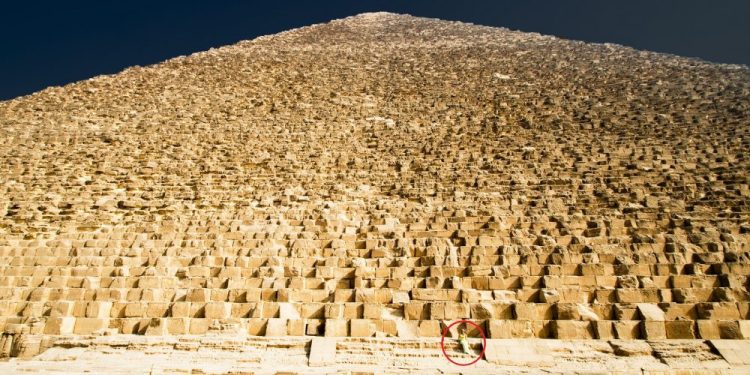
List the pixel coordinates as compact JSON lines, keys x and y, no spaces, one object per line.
{"x":462,"y":340}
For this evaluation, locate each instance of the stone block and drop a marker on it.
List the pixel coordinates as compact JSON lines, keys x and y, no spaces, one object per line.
{"x":98,"y":309}
{"x":178,"y":326}
{"x":288,"y":311}
{"x":708,"y":329}
{"x":63,"y":325}
{"x":651,"y":312}
{"x":217,"y":310}
{"x":157,"y":327}
{"x":733,"y":351}
{"x":135,"y":310}
{"x":322,"y":352}
{"x":296,"y":327}
{"x":729,"y":329}
{"x":680,"y":329}
{"x":86,"y":326}
{"x":199,"y":326}
{"x":653,"y":330}
{"x":526,"y":353}
{"x":276,"y":327}
{"x":336,"y":328}
{"x":180,"y":310}
{"x":745,"y":328}
{"x":572,"y":329}
{"x":429,"y":328}
{"x":362,"y":328}
{"x":604,"y":329}
{"x":198,"y":295}
{"x":256,"y":327}
{"x":627,"y":329}
{"x":416,"y":311}
{"x":510,"y":329}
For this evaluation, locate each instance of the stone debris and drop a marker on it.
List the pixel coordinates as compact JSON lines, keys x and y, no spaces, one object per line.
{"x":381,"y":176}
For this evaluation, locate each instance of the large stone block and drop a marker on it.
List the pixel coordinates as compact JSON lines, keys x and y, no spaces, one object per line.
{"x":276,"y":327}
{"x":336,"y":328}
{"x":362,"y":328}
{"x":322,"y":352}
{"x":511,"y":329}
{"x":572,"y":329}
{"x":217,"y":310}
{"x":680,"y":329}
{"x":85,"y":326}
{"x":59,"y":325}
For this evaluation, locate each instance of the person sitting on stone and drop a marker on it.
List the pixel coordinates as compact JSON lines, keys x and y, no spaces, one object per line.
{"x":463,"y":341}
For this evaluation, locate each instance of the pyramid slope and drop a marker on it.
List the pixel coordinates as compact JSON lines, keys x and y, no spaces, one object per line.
{"x":382,"y":176}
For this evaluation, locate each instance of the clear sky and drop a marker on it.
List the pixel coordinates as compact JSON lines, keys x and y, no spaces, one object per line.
{"x":48,"y":43}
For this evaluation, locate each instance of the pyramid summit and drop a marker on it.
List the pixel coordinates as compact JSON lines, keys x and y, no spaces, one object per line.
{"x":335,"y":198}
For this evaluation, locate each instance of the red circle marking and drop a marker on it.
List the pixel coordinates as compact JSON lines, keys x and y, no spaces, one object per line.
{"x":445,"y":332}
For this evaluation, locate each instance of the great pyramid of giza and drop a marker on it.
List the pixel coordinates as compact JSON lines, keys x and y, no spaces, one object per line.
{"x":336,"y":198}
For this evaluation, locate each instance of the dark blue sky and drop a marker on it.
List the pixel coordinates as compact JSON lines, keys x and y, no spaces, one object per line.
{"x":57,"y":42}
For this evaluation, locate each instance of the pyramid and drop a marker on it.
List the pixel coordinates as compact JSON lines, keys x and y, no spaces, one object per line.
{"x":348,"y":195}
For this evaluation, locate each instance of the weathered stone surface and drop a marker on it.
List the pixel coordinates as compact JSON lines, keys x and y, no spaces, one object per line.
{"x":530,"y":353}
{"x":381,"y":177}
{"x":322,"y":352}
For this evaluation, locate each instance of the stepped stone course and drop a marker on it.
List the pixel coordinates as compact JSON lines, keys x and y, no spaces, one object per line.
{"x":349,"y":189}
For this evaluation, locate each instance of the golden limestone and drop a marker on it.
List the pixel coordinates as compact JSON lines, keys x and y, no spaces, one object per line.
{"x":379,"y":177}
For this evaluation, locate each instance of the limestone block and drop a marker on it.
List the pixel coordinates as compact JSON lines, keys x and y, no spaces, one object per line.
{"x":653,"y":330}
{"x":296,"y":327}
{"x":157,"y":309}
{"x":61,"y":309}
{"x":288,"y":311}
{"x":86,"y":326}
{"x":180,"y":310}
{"x":744,"y":326}
{"x":336,"y":328}
{"x":157,"y":327}
{"x":177,"y":326}
{"x":362,"y":328}
{"x":533,"y":311}
{"x":575,"y":311}
{"x":199,"y":326}
{"x":255,"y":327}
{"x":510,"y":329}
{"x":715,"y":311}
{"x":490,"y":310}
{"x":314,"y":327}
{"x":334,"y":311}
{"x":217,"y":310}
{"x":680,"y":329}
{"x":322,"y":352}
{"x":372,"y":311}
{"x":733,"y":351}
{"x":729,"y":329}
{"x":708,"y":329}
{"x":651,"y":312}
{"x":198,"y":295}
{"x":135,"y":310}
{"x":407,"y":328}
{"x":572,"y":329}
{"x":276,"y":327}
{"x":60,"y":325}
{"x":455,"y":310}
{"x":604,"y":329}
{"x":527,"y":353}
{"x":429,"y":328}
{"x":353,"y":310}
{"x":416,"y":310}
{"x":627,"y":329}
